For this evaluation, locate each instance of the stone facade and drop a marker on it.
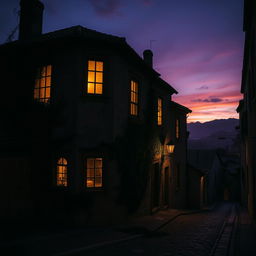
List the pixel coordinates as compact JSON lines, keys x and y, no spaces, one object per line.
{"x":98,"y":155}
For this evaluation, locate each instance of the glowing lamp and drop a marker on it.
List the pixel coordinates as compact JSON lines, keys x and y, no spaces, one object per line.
{"x":170,"y":147}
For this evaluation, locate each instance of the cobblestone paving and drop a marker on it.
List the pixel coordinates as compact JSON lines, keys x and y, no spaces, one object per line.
{"x":188,"y":235}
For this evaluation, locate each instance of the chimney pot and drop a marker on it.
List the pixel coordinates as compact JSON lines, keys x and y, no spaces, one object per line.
{"x":31,"y":19}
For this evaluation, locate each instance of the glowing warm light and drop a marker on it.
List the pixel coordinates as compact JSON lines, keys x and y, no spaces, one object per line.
{"x":42,"y":88}
{"x":206,"y":109}
{"x":134,"y":98}
{"x":62,"y":167}
{"x":95,"y":77}
{"x":177,"y":128}
{"x":170,"y":147}
{"x":94,"y":172}
{"x":159,"y":111}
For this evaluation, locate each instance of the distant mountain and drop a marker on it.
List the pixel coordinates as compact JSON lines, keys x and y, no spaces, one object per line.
{"x":199,"y":130}
{"x":221,"y":133}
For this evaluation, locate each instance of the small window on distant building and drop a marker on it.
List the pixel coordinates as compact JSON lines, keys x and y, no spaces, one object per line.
{"x":159,"y":111}
{"x":134,"y":100}
{"x":42,"y":89}
{"x":94,"y":172}
{"x":177,"y":128}
{"x":62,"y":171}
{"x":95,"y":77}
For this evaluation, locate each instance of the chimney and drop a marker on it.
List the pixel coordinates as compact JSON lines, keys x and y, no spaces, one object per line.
{"x":148,"y":57}
{"x":31,"y":19}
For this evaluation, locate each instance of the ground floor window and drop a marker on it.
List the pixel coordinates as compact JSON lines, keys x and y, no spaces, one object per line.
{"x":94,"y":172}
{"x":62,"y":171}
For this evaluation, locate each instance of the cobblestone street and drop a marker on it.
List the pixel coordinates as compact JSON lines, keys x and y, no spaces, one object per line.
{"x":187,"y":235}
{"x":225,"y":230}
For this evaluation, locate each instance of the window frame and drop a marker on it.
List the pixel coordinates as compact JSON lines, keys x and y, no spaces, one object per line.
{"x":86,"y":82}
{"x":136,"y":104}
{"x":161,"y":99}
{"x":56,"y":172}
{"x":39,"y":77}
{"x":93,"y":188}
{"x":177,"y":128}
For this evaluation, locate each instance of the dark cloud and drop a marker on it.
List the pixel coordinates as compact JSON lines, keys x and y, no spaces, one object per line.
{"x":210,"y":99}
{"x":203,"y":87}
{"x":105,"y":7}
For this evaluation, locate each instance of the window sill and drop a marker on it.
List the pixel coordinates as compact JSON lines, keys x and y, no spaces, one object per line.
{"x":94,"y":190}
{"x":94,"y":97}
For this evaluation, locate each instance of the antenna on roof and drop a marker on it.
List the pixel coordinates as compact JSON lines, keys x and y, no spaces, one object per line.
{"x":150,"y":43}
{"x":10,"y":37}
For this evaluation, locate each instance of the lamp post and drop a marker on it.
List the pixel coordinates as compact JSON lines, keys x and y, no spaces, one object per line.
{"x":170,"y":147}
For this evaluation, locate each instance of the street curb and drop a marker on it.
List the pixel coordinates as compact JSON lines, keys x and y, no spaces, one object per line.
{"x":117,"y":241}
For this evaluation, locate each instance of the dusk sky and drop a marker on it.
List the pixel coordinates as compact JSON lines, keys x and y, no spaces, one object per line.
{"x":197,"y":44}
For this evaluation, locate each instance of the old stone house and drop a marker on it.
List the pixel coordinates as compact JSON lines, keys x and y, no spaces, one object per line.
{"x":88,"y":127}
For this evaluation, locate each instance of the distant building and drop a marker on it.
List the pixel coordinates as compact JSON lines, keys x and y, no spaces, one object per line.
{"x":88,"y":127}
{"x":205,"y":170}
{"x":247,"y":110}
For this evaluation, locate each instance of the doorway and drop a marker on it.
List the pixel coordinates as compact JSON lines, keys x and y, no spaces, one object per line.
{"x":155,"y":186}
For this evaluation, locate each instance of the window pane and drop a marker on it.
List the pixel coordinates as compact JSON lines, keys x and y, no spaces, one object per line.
{"x":48,"y":81}
{"x":98,"y":182}
{"x":90,"y":183}
{"x":48,"y":92}
{"x":99,"y":66}
{"x":90,"y":88}
{"x":49,"y":70}
{"x":99,"y":88}
{"x":91,"y":76}
{"x":91,"y":65}
{"x":42,"y":93}
{"x":42,"y":84}
{"x":99,"y":77}
{"x":98,"y":172}
{"x":90,"y":173}
{"x":90,"y":163}
{"x":98,"y":162}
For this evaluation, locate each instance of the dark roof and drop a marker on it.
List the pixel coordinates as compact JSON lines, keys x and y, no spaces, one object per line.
{"x":180,"y":107}
{"x":79,"y":32}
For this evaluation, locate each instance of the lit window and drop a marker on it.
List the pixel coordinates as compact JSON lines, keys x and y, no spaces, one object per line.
{"x":159,"y":111}
{"x":94,"y":172}
{"x":177,"y":128}
{"x":95,"y":77}
{"x":42,"y":89}
{"x":62,"y":170}
{"x":134,"y":100}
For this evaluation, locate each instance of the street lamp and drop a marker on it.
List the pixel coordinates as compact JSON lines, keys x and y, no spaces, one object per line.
{"x":170,"y":147}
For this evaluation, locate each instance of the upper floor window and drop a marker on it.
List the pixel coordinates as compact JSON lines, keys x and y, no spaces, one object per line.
{"x":159,"y":111}
{"x":177,"y":128}
{"x":62,"y":171}
{"x":94,"y":172}
{"x":42,"y":89}
{"x":95,"y":77}
{"x":134,"y":98}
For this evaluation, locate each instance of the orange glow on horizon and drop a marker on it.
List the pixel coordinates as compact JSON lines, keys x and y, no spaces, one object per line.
{"x":205,"y":107}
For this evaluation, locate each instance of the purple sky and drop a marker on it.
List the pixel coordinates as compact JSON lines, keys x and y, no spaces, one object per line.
{"x":197,"y":44}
